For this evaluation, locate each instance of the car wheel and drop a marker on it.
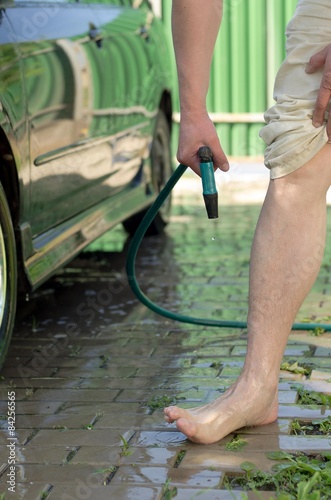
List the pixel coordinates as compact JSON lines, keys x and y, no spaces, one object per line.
{"x":8,"y":276}
{"x":161,"y":171}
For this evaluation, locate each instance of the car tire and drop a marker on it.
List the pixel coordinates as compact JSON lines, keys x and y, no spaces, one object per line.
{"x":8,"y":276}
{"x":161,"y":171}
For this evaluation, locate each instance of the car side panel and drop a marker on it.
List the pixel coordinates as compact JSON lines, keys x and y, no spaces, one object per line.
{"x":88,"y":137}
{"x":93,"y":98}
{"x":13,"y":122}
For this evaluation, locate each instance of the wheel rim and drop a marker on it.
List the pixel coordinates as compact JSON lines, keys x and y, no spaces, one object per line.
{"x":3,"y":276}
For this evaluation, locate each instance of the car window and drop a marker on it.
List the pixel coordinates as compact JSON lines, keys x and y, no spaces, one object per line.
{"x":132,"y":3}
{"x":37,"y":1}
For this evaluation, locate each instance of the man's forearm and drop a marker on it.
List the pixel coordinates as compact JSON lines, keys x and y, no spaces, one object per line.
{"x":195,"y":26}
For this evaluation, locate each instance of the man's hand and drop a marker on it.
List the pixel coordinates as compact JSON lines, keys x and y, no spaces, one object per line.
{"x":322,"y":60}
{"x":198,"y":130}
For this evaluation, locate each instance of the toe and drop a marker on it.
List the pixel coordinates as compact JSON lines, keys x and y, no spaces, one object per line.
{"x":168,"y":409}
{"x":169,"y":414}
{"x":187,"y":427}
{"x":173,"y":413}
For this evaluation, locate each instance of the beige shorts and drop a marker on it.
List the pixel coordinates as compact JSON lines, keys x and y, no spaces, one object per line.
{"x":291,"y":138}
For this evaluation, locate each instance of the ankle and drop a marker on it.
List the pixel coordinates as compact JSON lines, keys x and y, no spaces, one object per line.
{"x":258,"y":381}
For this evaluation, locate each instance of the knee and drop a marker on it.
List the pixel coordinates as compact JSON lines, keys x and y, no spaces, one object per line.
{"x":311,"y":181}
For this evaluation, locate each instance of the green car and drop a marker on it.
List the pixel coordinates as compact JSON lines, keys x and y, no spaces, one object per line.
{"x":85,"y":124}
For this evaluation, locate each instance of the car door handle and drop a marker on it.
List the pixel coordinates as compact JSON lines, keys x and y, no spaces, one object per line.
{"x":95,"y":35}
{"x":143,"y":32}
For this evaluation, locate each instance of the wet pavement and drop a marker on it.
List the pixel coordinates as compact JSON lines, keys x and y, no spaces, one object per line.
{"x":91,"y":368}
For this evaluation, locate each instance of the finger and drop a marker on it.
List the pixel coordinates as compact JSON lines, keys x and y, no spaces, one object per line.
{"x":189,"y":160}
{"x":219,"y":157}
{"x":323,"y":98}
{"x":222,"y":163}
{"x":328,"y":127}
{"x":316,"y":61}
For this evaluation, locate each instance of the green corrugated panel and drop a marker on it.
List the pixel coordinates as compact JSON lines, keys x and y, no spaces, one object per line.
{"x":289,"y":9}
{"x":220,"y":87}
{"x":239,"y":56}
{"x":275,"y":42}
{"x":278,"y":15}
{"x":255,"y":145}
{"x":239,"y":73}
{"x":257,"y":98}
{"x":221,"y":74}
{"x":256,"y":44}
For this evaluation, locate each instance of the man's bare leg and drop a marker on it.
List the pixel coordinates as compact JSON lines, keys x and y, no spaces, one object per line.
{"x":286,"y":256}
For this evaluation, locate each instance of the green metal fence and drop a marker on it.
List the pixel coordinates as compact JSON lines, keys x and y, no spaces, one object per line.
{"x":249,"y":51}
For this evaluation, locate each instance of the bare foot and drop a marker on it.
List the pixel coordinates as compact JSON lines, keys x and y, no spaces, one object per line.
{"x":241,"y":405}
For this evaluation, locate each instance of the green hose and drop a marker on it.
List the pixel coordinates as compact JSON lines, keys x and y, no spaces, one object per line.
{"x":131,"y":261}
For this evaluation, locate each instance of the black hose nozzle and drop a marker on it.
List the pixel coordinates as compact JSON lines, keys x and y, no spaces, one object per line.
{"x":211,"y":203}
{"x":210,"y":194}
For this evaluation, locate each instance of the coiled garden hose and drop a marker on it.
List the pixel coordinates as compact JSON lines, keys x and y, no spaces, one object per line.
{"x":211,"y":198}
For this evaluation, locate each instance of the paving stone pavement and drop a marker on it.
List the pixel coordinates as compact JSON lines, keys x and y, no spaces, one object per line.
{"x":90,"y":367}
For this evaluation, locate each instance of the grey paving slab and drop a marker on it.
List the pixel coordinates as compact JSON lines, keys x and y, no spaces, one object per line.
{"x":31,"y":491}
{"x":69,"y":491}
{"x":89,"y":407}
{"x":154,"y":456}
{"x":46,"y":454}
{"x":86,"y":437}
{"x":221,"y":494}
{"x":159,"y":475}
{"x":224,"y":460}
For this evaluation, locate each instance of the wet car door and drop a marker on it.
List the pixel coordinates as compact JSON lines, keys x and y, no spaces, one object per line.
{"x":77,"y":106}
{"x":12,"y":103}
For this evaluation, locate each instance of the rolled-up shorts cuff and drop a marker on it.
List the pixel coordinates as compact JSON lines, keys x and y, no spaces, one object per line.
{"x":289,"y":134}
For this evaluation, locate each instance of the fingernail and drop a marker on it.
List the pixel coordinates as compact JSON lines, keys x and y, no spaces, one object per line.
{"x":317,"y":125}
